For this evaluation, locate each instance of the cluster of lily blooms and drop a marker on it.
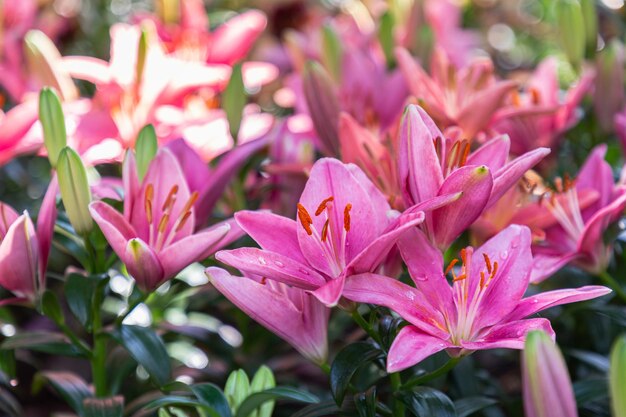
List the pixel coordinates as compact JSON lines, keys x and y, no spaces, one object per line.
{"x":411,"y":160}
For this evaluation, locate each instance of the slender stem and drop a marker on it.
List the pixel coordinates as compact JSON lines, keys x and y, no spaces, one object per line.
{"x":358,"y":318}
{"x":325,"y":367}
{"x":432,"y":375}
{"x":613,"y":284}
{"x":98,"y":359}
{"x":396,"y":384}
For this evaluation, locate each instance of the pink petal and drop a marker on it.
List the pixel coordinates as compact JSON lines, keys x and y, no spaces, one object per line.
{"x":143,"y":265}
{"x":597,"y":225}
{"x":408,"y":302}
{"x":412,"y":346}
{"x":494,"y":153}
{"x":596,"y":174}
{"x":545,"y":266}
{"x":7,"y":217}
{"x":114,"y":226}
{"x":330,"y":293}
{"x":273,"y":266}
{"x":19,"y":259}
{"x":292,"y":314}
{"x":509,"y":335}
{"x":272,"y":232}
{"x":476,"y":114}
{"x":45,"y":227}
{"x":239,"y":33}
{"x":542,"y":301}
{"x":88,"y":68}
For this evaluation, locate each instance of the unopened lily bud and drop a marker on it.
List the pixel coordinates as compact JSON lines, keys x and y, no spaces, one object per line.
{"x":142,"y":51}
{"x":168,"y":11}
{"x":262,"y":380}
{"x":234,"y":100}
{"x":590,"y":16}
{"x":237,"y":389}
{"x":323,"y":105}
{"x":617,"y":377}
{"x":608,"y":98}
{"x":43,"y":60}
{"x":53,"y":124}
{"x":571,"y":30}
{"x":385,"y":37}
{"x":546,"y":383}
{"x":75,"y":191}
{"x":331,"y":52}
{"x":145,"y":149}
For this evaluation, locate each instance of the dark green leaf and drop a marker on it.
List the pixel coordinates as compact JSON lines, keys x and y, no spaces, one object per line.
{"x":595,"y":360}
{"x":148,"y":350}
{"x":69,"y":386}
{"x":79,"y":291}
{"x":326,"y":408}
{"x":590,"y":390}
{"x":426,"y":402}
{"x":169,"y":400}
{"x":47,"y":342}
{"x":9,"y":406}
{"x":365,"y":403}
{"x":50,"y":307}
{"x":234,"y":100}
{"x":213,"y":397}
{"x":7,"y":363}
{"x":346,"y":363}
{"x":257,"y":399}
{"x":467,"y":406}
{"x":103,"y":407}
{"x":385,"y":36}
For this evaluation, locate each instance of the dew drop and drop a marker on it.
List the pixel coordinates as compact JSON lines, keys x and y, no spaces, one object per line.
{"x":304,"y":271}
{"x":279,"y":264}
{"x":504,"y":254}
{"x":421,"y":278}
{"x":262,"y":261}
{"x":410,"y":295}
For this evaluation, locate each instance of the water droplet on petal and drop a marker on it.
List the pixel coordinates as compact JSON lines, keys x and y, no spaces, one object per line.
{"x":410,"y":295}
{"x":262,"y":261}
{"x":304,"y":271}
{"x":421,"y":278}
{"x":279,"y":264}
{"x":504,"y":254}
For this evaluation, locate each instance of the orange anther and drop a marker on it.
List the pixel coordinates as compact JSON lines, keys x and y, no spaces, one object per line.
{"x":346,"y":217}
{"x":325,"y":230}
{"x":305,"y":219}
{"x":163,"y":223}
{"x":452,"y":263}
{"x":171,"y":198}
{"x":487,"y":262}
{"x":323,"y":205}
{"x":460,"y":278}
{"x":148,"y":202}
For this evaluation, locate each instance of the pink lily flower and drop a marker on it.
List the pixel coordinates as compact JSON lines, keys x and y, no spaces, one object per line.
{"x":574,"y":217}
{"x":345,"y":228}
{"x":484,"y":307}
{"x":24,"y":250}
{"x":291,"y":313}
{"x":155,"y":237}
{"x":430,"y":165}
{"x":537,"y":116}
{"x":467,"y":97}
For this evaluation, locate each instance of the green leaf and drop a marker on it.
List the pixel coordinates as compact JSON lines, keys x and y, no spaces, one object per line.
{"x":145,"y":149}
{"x":365,"y":403}
{"x":170,"y":400}
{"x":426,"y":401}
{"x":103,"y":407}
{"x":385,"y":37}
{"x":590,"y":390}
{"x":263,"y":379}
{"x":47,"y":342}
{"x":326,"y":408}
{"x":9,"y":406}
{"x":595,"y":360}
{"x":617,"y":377}
{"x":234,"y":100}
{"x":7,"y":364}
{"x":72,"y":388}
{"x":79,"y":291}
{"x":213,"y":397}
{"x":348,"y":360}
{"x":467,"y":406}
{"x":51,"y":308}
{"x":148,"y":349}
{"x":236,"y":388}
{"x":52,"y":123}
{"x":332,"y":52}
{"x":257,"y":399}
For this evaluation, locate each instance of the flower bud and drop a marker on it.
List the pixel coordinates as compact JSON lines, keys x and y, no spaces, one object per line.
{"x":607,"y":99}
{"x":262,"y":380}
{"x":571,"y":30}
{"x":237,"y":389}
{"x":142,"y":51}
{"x":617,"y":377}
{"x":168,"y":11}
{"x":323,"y":105}
{"x":53,"y":124}
{"x":590,"y":17}
{"x":386,"y":38}
{"x":546,"y":383}
{"x":43,"y":60}
{"x":331,"y":52}
{"x":145,"y":149}
{"x":75,"y":191}
{"x":234,"y":100}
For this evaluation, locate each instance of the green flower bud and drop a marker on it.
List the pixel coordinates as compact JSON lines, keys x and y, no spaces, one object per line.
{"x":145,"y":149}
{"x":590,"y":17}
{"x":234,"y":100}
{"x":617,"y":377}
{"x":332,"y":52}
{"x":75,"y":191}
{"x":237,"y":389}
{"x":262,"y":380}
{"x":385,"y":36}
{"x":53,"y":124}
{"x":571,"y":30}
{"x":321,"y":98}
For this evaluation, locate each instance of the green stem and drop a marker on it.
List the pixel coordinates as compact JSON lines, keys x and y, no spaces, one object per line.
{"x":325,"y":367}
{"x":396,"y":384}
{"x":432,"y":375}
{"x":613,"y":284}
{"x":98,"y":358}
{"x":358,"y":318}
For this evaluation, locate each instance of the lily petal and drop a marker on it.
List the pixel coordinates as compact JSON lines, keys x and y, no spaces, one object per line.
{"x":143,"y":265}
{"x":19,"y":258}
{"x":412,"y":346}
{"x":330,"y":293}
{"x":510,"y":335}
{"x":113,"y":225}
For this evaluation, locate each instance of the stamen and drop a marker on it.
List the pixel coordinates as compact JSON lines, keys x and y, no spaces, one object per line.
{"x":263,"y":280}
{"x":323,"y":205}
{"x":482,"y":280}
{"x":171,"y":198}
{"x":305,"y":219}
{"x":515,"y":98}
{"x":535,"y":96}
{"x":558,"y":183}
{"x":148,"y":202}
{"x":460,"y":278}
{"x":495,"y":270}
{"x":464,"y":256}
{"x":163,"y":223}
{"x":463,"y":156}
{"x":449,"y":268}
{"x":487,"y":262}
{"x":325,"y":230}
{"x":346,"y":217}
{"x":192,"y":200}
{"x":182,"y":221}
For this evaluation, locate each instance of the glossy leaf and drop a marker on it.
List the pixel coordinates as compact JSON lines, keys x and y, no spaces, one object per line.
{"x":617,"y":377}
{"x":79,"y":291}
{"x":148,"y":349}
{"x":213,"y":397}
{"x":326,"y":408}
{"x":103,"y":407}
{"x":72,"y":388}
{"x":256,"y":400}
{"x":145,"y":149}
{"x":234,"y":100}
{"x":51,"y":308}
{"x":47,"y":342}
{"x":467,"y":406}
{"x":426,"y":401}
{"x":385,"y":37}
{"x":346,"y":364}
{"x":365,"y":403}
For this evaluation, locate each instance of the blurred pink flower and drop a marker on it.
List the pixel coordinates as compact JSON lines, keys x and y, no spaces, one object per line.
{"x":483,"y":309}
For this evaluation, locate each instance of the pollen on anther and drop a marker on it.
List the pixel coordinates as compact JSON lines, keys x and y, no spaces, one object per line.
{"x":452,"y":263}
{"x":487,"y":262}
{"x":171,"y":198}
{"x":325,"y":230}
{"x":323,"y":205}
{"x":305,"y":219}
{"x":148,"y":202}
{"x":346,"y":217}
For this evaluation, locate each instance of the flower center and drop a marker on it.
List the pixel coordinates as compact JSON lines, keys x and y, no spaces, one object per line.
{"x":331,"y":240}
{"x":455,"y":157}
{"x":163,"y":230}
{"x":563,"y":203}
